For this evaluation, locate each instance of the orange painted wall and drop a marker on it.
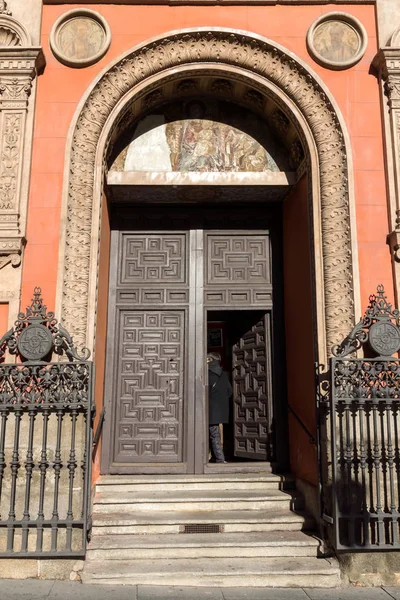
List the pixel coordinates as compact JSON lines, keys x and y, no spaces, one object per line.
{"x":3,"y":318}
{"x":299,"y":330}
{"x":60,"y":88}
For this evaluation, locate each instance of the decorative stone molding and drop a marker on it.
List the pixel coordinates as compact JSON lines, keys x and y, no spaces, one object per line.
{"x":80,"y":37}
{"x":19,"y":65}
{"x":337,"y":40}
{"x":239,"y":52}
{"x":3,"y":8}
{"x":14,"y":259}
{"x":12,"y":33}
{"x":218,"y":2}
{"x":387,"y":65}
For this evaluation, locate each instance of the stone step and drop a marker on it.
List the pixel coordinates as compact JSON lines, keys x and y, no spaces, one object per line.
{"x":240,"y":467}
{"x":193,"y":500}
{"x":224,"y":572}
{"x":172,"y":522}
{"x":200,"y":545}
{"x":225,"y":481}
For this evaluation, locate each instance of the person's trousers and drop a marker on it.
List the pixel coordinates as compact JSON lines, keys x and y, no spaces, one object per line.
{"x":217,"y":452}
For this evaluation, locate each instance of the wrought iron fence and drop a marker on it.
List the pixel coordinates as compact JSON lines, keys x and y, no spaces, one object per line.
{"x":362,"y":487}
{"x":46,"y":414}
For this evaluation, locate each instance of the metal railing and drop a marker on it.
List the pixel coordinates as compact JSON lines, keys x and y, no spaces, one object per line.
{"x":45,"y":431}
{"x":365,"y":425}
{"x":360,"y":447}
{"x":46,"y":417}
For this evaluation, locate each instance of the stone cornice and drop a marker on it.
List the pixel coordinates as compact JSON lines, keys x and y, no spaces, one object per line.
{"x":19,"y":59}
{"x":213,"y":2}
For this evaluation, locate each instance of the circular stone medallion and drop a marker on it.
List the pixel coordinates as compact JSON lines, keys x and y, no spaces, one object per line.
{"x":80,"y":38}
{"x":35,"y":342}
{"x":337,"y":40}
{"x":384,"y":338}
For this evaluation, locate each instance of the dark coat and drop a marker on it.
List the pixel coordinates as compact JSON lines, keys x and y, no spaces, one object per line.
{"x":219,"y":395}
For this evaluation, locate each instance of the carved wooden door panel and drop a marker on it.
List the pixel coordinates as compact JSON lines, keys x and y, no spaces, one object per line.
{"x":252,"y":393}
{"x":238,"y":269}
{"x":150,"y":387}
{"x":147,"y":386}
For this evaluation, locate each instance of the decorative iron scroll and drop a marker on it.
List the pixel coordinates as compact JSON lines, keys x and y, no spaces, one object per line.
{"x":379,"y":327}
{"x":364,"y":483}
{"x":46,"y":414}
{"x":36,"y":334}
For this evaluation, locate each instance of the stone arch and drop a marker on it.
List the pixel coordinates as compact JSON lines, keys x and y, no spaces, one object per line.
{"x":245,"y":54}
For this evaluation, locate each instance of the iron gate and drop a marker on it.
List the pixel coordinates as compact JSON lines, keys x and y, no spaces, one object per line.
{"x":46,"y":414}
{"x":362,"y":479}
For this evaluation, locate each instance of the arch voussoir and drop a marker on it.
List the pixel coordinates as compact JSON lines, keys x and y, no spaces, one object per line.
{"x":251,"y":54}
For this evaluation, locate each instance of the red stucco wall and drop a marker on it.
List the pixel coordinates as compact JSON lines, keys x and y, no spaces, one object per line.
{"x":60,"y":89}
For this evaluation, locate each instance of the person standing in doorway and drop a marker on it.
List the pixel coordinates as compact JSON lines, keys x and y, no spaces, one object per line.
{"x":219,"y":395}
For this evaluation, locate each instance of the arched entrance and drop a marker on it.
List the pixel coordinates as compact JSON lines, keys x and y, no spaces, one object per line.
{"x":255,"y":73}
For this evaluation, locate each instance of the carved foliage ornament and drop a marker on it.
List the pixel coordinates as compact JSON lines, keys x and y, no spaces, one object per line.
{"x":256,"y":56}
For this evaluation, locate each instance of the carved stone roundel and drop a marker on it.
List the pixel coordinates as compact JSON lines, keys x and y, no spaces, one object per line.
{"x":35,"y":342}
{"x":228,"y":48}
{"x":80,"y":38}
{"x":337,"y":40}
{"x":384,"y":338}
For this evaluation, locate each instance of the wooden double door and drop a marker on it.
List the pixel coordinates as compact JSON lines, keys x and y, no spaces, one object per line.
{"x":163,"y":284}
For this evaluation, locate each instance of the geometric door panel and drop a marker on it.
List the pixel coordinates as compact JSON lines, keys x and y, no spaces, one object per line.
{"x":149,"y":400}
{"x":153,"y":258}
{"x":252,"y":393}
{"x":238,"y":258}
{"x":237,"y":269}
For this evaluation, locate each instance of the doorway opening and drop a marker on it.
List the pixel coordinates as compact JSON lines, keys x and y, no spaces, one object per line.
{"x":195,"y":232}
{"x":243,"y":340}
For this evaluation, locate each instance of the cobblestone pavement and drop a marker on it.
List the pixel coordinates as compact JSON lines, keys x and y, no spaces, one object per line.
{"x":32,"y":589}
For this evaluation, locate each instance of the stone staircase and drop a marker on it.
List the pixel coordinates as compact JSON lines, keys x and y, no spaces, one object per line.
{"x":204,"y":530}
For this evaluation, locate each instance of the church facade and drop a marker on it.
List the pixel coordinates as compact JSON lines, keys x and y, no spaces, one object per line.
{"x":181,"y":178}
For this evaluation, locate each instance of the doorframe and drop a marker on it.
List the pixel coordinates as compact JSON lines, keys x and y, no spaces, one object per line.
{"x":195,"y":417}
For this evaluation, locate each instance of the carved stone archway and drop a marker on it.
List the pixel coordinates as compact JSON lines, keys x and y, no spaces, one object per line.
{"x":255,"y":57}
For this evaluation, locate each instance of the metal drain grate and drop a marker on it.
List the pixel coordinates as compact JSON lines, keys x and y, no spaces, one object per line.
{"x":201,"y":528}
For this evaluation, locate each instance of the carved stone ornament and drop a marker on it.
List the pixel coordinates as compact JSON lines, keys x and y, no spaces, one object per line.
{"x":227,"y":48}
{"x":3,"y":8}
{"x":12,"y":32}
{"x":14,"y":259}
{"x":80,"y":37}
{"x":337,"y":40}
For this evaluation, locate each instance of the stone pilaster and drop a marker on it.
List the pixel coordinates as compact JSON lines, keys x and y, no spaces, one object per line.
{"x":387,"y":64}
{"x":20,"y":63}
{"x":18,"y":68}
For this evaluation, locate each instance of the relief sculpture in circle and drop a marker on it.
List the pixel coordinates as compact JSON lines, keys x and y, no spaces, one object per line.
{"x":233,"y":51}
{"x":81,"y":38}
{"x":337,"y":40}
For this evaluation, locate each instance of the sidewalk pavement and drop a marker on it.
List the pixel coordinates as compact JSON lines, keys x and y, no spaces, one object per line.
{"x":33,"y":589}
